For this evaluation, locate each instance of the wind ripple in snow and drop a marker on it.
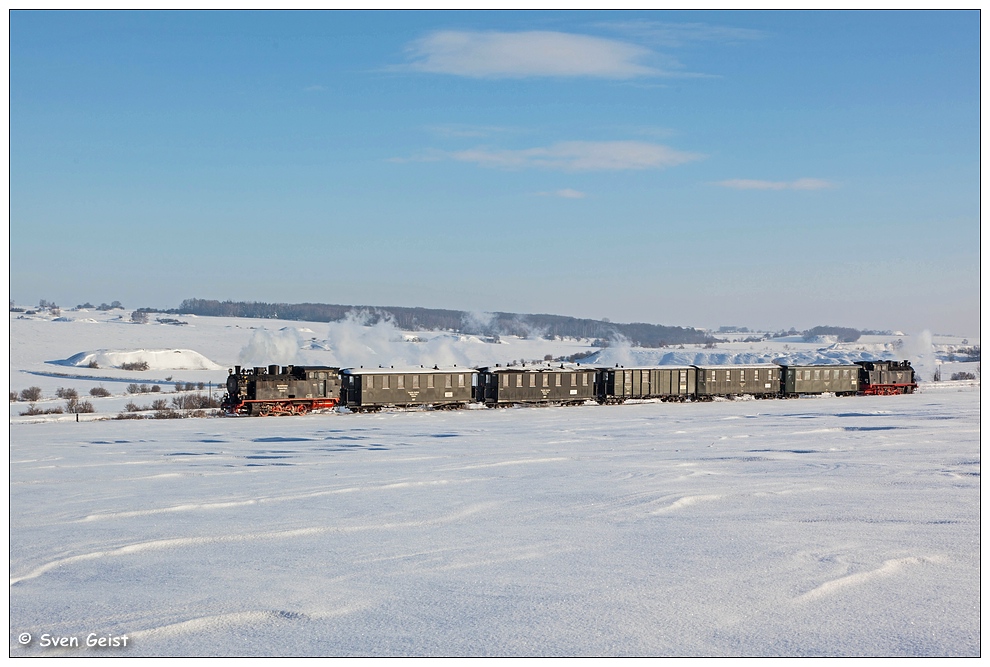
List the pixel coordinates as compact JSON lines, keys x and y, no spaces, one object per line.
{"x":282,"y":534}
{"x":189,"y":507}
{"x":889,"y":568}
{"x":686,"y":501}
{"x":227,"y":621}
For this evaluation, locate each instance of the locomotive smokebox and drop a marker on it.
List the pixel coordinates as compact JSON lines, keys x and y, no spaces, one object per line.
{"x":273,"y":369}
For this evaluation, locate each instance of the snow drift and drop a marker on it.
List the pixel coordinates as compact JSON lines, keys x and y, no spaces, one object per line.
{"x":157,"y":360}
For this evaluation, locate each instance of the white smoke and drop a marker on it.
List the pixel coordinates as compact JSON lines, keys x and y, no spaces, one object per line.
{"x":478,"y":322}
{"x":920,"y":351}
{"x":619,"y":351}
{"x":353,"y":342}
{"x":271,"y":347}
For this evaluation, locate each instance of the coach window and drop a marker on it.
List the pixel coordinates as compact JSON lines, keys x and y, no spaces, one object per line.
{"x":546,"y":379}
{"x":460,"y":380}
{"x":429,"y":382}
{"x":446,"y":382}
{"x":532,"y":379}
{"x":384,"y":382}
{"x":574,"y":379}
{"x":742,"y":376}
{"x":807,"y":375}
{"x":400,"y":382}
{"x":505,"y":380}
{"x":584,"y":379}
{"x":728,"y":375}
{"x":415,"y":382}
{"x":518,"y":379}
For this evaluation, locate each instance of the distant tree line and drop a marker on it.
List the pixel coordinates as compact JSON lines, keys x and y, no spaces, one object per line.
{"x":436,"y":319}
{"x":844,"y":334}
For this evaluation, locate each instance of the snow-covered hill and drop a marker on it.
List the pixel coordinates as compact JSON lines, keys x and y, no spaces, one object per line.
{"x":86,"y":349}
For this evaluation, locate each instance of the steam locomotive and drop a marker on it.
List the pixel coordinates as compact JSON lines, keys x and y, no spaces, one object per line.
{"x":298,"y":390}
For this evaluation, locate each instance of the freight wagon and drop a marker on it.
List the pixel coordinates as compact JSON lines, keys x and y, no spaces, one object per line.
{"x":667,"y":383}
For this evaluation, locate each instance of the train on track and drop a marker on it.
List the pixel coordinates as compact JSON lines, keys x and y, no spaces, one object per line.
{"x":298,"y":390}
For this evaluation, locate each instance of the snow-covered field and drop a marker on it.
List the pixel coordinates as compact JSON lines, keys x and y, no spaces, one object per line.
{"x":815,"y":526}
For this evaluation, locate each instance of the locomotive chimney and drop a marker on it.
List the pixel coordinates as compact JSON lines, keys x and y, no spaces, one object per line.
{"x":273,"y":369}
{"x":237,"y":369}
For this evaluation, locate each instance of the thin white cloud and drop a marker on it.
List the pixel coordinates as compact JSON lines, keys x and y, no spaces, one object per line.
{"x":566,"y":193}
{"x":799,"y":184}
{"x":675,"y":35}
{"x":576,"y":156}
{"x":528,"y":54}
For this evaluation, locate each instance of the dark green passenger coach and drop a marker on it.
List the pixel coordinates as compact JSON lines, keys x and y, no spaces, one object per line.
{"x":374,"y":388}
{"x":818,"y":379}
{"x":560,"y":383}
{"x":759,"y":380}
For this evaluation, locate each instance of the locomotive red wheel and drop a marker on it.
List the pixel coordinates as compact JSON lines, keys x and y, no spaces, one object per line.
{"x":264,"y":410}
{"x":302,"y":409}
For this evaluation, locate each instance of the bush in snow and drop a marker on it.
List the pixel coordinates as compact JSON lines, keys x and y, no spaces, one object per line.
{"x":155,"y":389}
{"x":32,"y":410}
{"x":93,"y":364}
{"x":31,"y":394}
{"x":13,"y":396}
{"x":133,"y":389}
{"x":99,"y":391}
{"x":67,"y":393}
{"x":74,"y":405}
{"x":194,"y":402}
{"x":963,"y":375}
{"x":139,"y":317}
{"x":134,"y":366}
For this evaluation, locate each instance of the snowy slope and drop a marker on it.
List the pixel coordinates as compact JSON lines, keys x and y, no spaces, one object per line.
{"x":804,"y":527}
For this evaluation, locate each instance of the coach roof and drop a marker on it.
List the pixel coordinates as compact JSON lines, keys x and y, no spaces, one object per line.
{"x":408,"y":370}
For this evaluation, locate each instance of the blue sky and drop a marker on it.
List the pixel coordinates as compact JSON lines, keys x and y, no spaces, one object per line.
{"x":761,"y":169}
